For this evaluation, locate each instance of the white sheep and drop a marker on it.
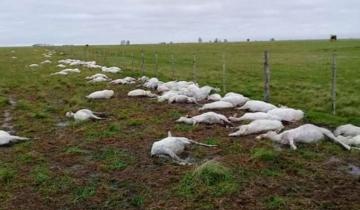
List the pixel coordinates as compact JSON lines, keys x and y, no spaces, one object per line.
{"x":287,"y":114}
{"x":208,"y":118}
{"x":347,"y":130}
{"x":162,"y":88}
{"x":46,"y":62}
{"x":254,"y":116}
{"x":113,"y":69}
{"x":83,"y":115}
{"x":124,"y":81}
{"x":173,"y":146}
{"x":98,"y":79}
{"x":350,"y":140}
{"x":217,"y":105}
{"x":182,"y":99}
{"x":141,"y":93}
{"x":102,"y":94}
{"x":235,"y":98}
{"x":167,"y":95}
{"x":6,"y":138}
{"x":33,"y":65}
{"x":257,"y":106}
{"x":214,"y":97}
{"x":66,"y":71}
{"x":152,"y":83}
{"x":258,"y":126}
{"x":307,"y":133}
{"x":143,"y":79}
{"x":95,"y":76}
{"x":61,"y":66}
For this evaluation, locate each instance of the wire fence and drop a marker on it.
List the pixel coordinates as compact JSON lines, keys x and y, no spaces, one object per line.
{"x":297,"y":79}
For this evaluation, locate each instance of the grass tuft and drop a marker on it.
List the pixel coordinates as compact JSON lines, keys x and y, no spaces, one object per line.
{"x":6,"y":174}
{"x":264,"y":154}
{"x":209,"y":178}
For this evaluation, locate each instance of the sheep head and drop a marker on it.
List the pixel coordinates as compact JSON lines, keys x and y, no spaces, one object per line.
{"x":69,"y":114}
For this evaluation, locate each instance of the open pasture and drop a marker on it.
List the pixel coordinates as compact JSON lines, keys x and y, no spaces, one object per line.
{"x":107,"y":164}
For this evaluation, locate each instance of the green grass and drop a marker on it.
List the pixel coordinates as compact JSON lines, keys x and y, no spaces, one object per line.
{"x":113,"y":159}
{"x":84,"y":192}
{"x":40,"y":175}
{"x":275,"y":202}
{"x":209,"y":178}
{"x":264,"y":154}
{"x":6,"y":174}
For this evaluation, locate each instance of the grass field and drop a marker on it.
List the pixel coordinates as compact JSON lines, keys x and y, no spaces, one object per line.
{"x":106,"y":164}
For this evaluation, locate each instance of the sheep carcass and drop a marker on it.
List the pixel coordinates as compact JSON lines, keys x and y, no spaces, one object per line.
{"x":287,"y":114}
{"x":258,"y":106}
{"x":173,"y":146}
{"x":208,"y":118}
{"x":235,"y":98}
{"x":254,"y":116}
{"x":307,"y":133}
{"x":217,"y":105}
{"x":141,"y":93}
{"x":102,"y":94}
{"x":347,"y":130}
{"x":258,"y":126}
{"x":182,"y":99}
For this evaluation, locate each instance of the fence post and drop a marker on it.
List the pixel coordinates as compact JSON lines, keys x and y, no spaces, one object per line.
{"x":224,"y":72}
{"x":156,"y":65}
{"x":266,"y":77}
{"x":142,"y":62}
{"x":173,"y":66}
{"x":194,"y":68}
{"x":333,"y":88}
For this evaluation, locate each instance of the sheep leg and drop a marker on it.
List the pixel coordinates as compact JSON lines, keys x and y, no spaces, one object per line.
{"x":292,"y":144}
{"x":332,"y":137}
{"x":237,"y":133}
{"x":201,"y":144}
{"x":341,"y":143}
{"x":176,"y":158}
{"x":357,"y":148}
{"x":235,"y":119}
{"x":96,"y":117}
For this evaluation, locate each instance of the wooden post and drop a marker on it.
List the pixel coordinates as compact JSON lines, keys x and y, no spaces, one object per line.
{"x":173,"y":66}
{"x":224,"y":73}
{"x":333,"y":87}
{"x":266,"y":77}
{"x":142,"y":62}
{"x":194,"y":69}
{"x":156,"y":65}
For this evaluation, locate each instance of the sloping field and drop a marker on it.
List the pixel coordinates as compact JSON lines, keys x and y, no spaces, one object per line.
{"x":107,"y":164}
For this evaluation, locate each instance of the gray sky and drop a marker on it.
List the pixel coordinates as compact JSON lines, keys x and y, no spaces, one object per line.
{"x":24,"y":22}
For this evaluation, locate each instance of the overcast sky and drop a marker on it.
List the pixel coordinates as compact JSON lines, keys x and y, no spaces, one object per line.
{"x":24,"y":22}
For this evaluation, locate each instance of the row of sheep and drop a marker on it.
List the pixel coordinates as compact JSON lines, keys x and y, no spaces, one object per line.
{"x":264,"y":117}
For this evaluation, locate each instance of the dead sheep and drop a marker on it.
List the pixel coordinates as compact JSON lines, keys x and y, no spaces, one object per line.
{"x":258,"y":126}
{"x":347,"y":130}
{"x":307,"y":133}
{"x":257,"y":106}
{"x":174,"y":146}
{"x":207,"y":118}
